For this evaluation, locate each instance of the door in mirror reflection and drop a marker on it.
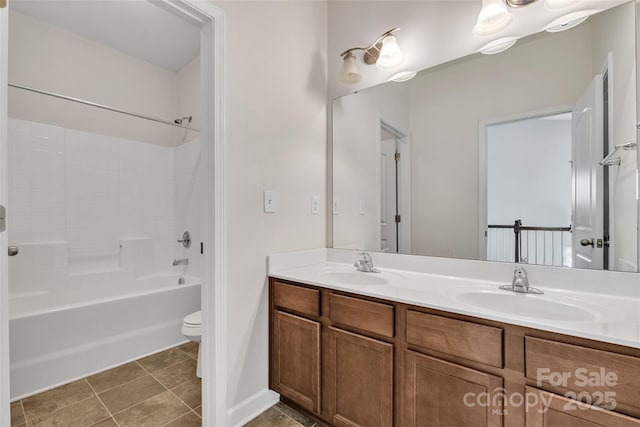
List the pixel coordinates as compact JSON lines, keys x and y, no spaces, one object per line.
{"x":393,"y":160}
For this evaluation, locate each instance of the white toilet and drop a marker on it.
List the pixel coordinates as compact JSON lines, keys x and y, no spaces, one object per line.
{"x":192,"y":329}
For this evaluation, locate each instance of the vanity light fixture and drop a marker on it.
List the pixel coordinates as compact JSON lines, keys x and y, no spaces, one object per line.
{"x":493,"y":18}
{"x":384,"y":52}
{"x":350,"y":73}
{"x":498,"y":46}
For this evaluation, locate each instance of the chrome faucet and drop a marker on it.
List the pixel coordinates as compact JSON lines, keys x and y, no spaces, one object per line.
{"x":520,"y":283}
{"x":182,"y":261}
{"x":365,"y":264}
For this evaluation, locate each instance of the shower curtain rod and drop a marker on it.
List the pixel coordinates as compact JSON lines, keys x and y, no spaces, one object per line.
{"x":104,"y":107}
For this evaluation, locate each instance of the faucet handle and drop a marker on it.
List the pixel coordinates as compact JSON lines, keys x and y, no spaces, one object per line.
{"x":186,"y":239}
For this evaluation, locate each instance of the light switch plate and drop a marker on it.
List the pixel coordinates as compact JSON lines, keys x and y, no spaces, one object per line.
{"x":315,"y":205}
{"x":336,"y":207}
{"x":269,"y":201}
{"x":363,"y":207}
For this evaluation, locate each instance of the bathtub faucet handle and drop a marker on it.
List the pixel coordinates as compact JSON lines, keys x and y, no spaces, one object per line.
{"x":186,"y":239}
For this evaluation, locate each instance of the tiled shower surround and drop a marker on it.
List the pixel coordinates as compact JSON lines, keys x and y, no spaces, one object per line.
{"x":79,"y":200}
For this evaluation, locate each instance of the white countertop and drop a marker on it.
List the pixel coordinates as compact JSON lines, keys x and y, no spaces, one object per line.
{"x":566,"y":309}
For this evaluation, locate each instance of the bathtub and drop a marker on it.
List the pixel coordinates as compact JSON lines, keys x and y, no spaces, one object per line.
{"x":90,"y":325}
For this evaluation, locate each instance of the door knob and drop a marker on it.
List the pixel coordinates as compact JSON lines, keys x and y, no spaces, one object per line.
{"x":13,"y":250}
{"x":587,"y":242}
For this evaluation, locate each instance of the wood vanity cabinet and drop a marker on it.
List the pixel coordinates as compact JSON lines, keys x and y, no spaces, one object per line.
{"x":359,"y":362}
{"x":359,"y":379}
{"x":439,"y":393}
{"x":553,"y":410}
{"x":295,"y":345}
{"x":355,"y":361}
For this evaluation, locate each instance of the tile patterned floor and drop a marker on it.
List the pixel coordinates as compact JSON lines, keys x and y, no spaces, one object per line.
{"x":282,"y":415}
{"x":158,"y":390}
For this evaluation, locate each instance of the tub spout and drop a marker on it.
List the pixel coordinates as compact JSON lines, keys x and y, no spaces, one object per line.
{"x":182,"y":261}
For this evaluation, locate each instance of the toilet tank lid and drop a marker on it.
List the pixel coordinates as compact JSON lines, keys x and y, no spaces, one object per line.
{"x":194,"y":318}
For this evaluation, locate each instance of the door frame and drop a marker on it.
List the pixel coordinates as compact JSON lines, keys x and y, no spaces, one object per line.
{"x":211,"y":20}
{"x":483,"y":125}
{"x":5,"y":396}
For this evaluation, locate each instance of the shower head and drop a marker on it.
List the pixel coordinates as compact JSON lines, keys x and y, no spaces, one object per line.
{"x":188,"y":119}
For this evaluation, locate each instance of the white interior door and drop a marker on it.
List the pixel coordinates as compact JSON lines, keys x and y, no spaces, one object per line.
{"x":388,"y":196}
{"x":4,"y":283}
{"x":586,"y":152}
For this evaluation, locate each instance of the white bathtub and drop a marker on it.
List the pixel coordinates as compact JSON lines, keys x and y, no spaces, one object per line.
{"x":84,"y":327}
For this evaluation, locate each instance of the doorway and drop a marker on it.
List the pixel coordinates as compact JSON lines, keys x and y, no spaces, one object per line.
{"x":395,"y":235}
{"x":210,"y":22}
{"x":529,"y":190}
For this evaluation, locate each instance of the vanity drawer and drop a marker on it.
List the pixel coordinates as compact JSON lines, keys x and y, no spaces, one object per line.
{"x":613,"y":372}
{"x":478,"y":343}
{"x":296,"y":298}
{"x":368,"y":316}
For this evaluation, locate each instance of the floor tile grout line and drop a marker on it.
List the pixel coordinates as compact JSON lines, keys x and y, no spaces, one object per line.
{"x":175,"y":419}
{"x":119,"y":385}
{"x":102,"y":403}
{"x":145,"y":373}
{"x":170,"y":391}
{"x":176,"y":396}
{"x":57,"y":410}
{"x":188,"y":354}
{"x":157,"y":379}
{"x":24,"y":414}
{"x":28,"y":422}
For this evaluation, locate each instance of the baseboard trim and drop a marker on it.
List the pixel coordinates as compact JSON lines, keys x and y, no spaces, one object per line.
{"x":251,"y":407}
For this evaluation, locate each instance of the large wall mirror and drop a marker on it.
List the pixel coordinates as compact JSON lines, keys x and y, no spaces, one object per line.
{"x":508,"y":157}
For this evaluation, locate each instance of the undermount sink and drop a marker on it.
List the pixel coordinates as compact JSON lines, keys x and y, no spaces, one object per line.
{"x":356,"y":278}
{"x":526,"y":305}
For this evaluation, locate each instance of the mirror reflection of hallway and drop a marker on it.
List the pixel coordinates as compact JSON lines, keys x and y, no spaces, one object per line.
{"x":529,"y":180}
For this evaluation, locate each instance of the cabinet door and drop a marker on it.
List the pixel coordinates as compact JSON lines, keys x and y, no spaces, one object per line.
{"x":295,"y":359}
{"x":551,"y":410}
{"x":360,"y":380}
{"x":443,"y":394}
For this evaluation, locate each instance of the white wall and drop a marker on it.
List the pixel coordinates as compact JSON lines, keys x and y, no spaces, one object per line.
{"x":614,"y":33}
{"x":356,"y":161}
{"x":276,"y":140}
{"x":51,"y":59}
{"x":529,"y":173}
{"x":447,"y":104}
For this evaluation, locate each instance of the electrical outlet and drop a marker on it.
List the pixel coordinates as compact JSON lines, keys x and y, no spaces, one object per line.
{"x":315,"y":205}
{"x":269,"y":201}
